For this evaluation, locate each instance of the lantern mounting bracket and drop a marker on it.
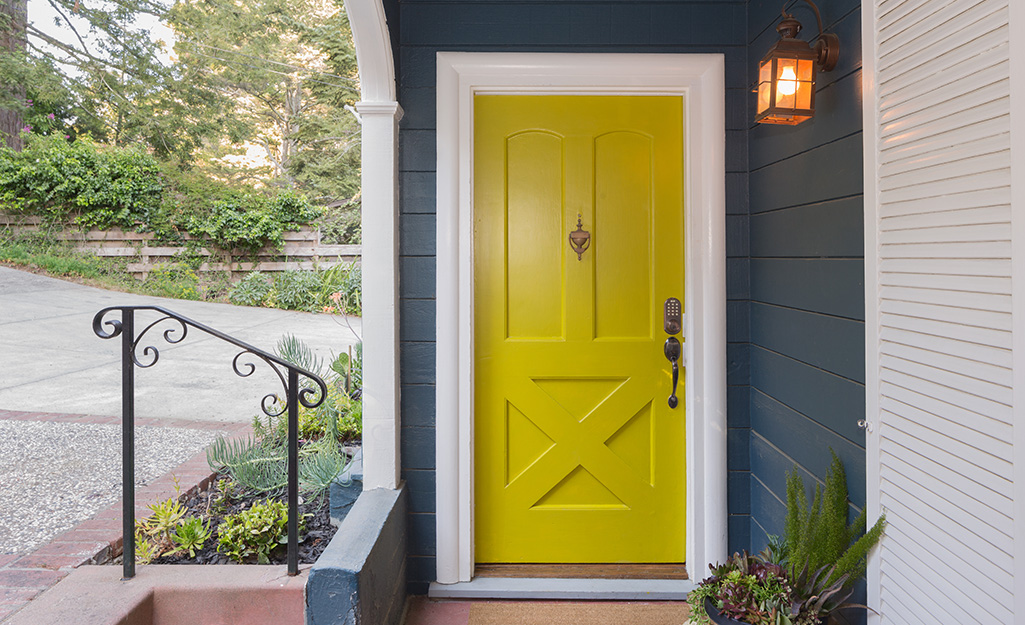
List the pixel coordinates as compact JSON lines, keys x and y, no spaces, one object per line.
{"x":827,"y":45}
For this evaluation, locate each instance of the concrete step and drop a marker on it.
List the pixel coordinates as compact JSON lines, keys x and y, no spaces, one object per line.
{"x":168,"y":594}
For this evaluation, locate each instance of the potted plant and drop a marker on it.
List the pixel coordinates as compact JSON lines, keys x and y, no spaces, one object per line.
{"x":804,"y":577}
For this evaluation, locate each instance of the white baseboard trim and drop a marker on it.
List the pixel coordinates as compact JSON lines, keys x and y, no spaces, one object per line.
{"x":545,"y":588}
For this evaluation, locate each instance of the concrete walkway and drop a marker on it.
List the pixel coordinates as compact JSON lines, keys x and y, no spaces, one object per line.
{"x":51,"y":361}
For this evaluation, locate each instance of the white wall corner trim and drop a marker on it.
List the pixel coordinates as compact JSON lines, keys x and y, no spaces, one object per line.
{"x":699,"y":78}
{"x":380,"y":114}
{"x":1017,"y":57}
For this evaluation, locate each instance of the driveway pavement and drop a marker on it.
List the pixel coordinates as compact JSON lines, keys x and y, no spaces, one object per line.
{"x":51,"y":361}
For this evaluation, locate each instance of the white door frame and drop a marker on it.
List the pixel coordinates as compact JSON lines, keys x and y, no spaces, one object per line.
{"x":699,"y":79}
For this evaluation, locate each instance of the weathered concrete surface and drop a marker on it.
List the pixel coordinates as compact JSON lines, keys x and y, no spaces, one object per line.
{"x":171,"y":594}
{"x":51,"y":361}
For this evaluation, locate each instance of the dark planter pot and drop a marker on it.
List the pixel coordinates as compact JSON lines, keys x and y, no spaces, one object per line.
{"x":716,"y":617}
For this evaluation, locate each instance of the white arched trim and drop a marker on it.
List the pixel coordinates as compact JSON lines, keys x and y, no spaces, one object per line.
{"x":699,"y":78}
{"x":380,"y":114}
{"x":373,"y":49}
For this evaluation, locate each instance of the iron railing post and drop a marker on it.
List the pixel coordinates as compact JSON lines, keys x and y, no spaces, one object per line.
{"x":128,"y":441}
{"x":129,"y":360}
{"x":293,"y":472}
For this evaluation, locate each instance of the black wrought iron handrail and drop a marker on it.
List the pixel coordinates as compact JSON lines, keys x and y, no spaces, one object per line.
{"x":287,"y":372}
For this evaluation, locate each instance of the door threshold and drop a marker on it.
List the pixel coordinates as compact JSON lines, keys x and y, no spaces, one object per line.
{"x":565,"y":588}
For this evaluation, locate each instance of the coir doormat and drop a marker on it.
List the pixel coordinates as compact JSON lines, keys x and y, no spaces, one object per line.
{"x":578,"y":613}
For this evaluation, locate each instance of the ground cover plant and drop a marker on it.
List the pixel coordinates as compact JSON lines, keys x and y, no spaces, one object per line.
{"x":223,"y":524}
{"x":804,"y":577}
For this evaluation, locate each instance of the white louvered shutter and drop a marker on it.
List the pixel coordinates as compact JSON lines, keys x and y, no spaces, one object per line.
{"x":939,"y":332}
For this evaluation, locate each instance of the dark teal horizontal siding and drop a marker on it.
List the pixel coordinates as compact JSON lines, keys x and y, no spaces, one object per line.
{"x":422,"y":483}
{"x":418,"y":402}
{"x":418,"y":362}
{"x":527,"y":24}
{"x":832,"y":228}
{"x":807,"y":442}
{"x":834,"y":402}
{"x":763,"y":15}
{"x":832,"y":286}
{"x":806,"y":276}
{"x":830,"y":343}
{"x":821,"y":173}
{"x":422,"y":537}
{"x":768,"y":499}
{"x":417,"y":320}
{"x":417,"y":192}
{"x":417,"y":277}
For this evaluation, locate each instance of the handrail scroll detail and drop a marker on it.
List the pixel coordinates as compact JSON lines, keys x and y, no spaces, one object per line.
{"x":244,"y":364}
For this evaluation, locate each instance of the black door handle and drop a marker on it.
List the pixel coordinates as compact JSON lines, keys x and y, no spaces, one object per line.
{"x":673,"y":350}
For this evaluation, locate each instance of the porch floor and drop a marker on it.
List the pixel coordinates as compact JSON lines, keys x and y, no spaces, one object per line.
{"x":424,"y":611}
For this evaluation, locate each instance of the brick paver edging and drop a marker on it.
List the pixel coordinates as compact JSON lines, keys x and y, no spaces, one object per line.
{"x":96,"y":540}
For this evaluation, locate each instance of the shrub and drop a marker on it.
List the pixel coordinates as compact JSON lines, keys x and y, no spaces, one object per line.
{"x":342,"y":289}
{"x":297,"y":290}
{"x":248,"y":221}
{"x":252,"y":290}
{"x":97,"y":186}
{"x":341,"y":225}
{"x":256,"y":531}
{"x":242,"y":222}
{"x":293,"y":209}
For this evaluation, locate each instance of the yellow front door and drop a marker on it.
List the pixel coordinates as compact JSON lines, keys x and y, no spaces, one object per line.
{"x":578,"y":457}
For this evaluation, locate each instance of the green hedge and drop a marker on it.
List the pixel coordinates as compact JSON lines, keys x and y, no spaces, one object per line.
{"x":99,"y":188}
{"x":102,"y":187}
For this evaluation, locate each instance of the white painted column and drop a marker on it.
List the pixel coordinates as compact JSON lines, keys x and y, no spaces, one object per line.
{"x":381,"y":468}
{"x":380,"y":114}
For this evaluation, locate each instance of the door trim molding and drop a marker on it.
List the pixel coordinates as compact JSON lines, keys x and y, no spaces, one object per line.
{"x":699,"y":79}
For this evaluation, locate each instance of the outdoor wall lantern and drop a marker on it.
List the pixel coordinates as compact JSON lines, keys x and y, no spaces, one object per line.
{"x":786,"y":74}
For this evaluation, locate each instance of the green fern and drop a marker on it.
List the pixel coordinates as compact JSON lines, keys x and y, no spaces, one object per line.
{"x":820,"y":536}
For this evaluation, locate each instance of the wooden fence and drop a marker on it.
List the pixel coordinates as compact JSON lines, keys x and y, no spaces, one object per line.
{"x":302,"y":249}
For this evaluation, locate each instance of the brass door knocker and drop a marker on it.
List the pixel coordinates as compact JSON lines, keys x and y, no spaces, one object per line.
{"x":580,"y":239}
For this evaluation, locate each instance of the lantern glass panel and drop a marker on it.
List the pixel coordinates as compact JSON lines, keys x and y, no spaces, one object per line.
{"x":786,"y":83}
{"x":806,"y":83}
{"x":764,"y":86}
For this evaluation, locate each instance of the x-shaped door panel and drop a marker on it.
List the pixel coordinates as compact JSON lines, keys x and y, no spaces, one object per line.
{"x":580,"y":442}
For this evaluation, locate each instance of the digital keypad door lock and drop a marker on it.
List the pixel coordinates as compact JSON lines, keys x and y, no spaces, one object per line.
{"x":672,"y":315}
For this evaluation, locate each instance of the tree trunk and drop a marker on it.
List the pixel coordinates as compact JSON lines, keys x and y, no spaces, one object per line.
{"x":12,"y":37}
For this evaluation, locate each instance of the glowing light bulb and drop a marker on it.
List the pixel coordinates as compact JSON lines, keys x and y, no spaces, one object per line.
{"x":787,"y":84}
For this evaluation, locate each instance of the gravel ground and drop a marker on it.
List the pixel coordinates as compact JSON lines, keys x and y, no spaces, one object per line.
{"x":56,"y":475}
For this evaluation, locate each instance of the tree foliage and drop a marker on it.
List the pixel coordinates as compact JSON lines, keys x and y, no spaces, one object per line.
{"x":266,"y":78}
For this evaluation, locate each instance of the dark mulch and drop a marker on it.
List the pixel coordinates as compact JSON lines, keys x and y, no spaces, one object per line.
{"x":214,"y":505}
